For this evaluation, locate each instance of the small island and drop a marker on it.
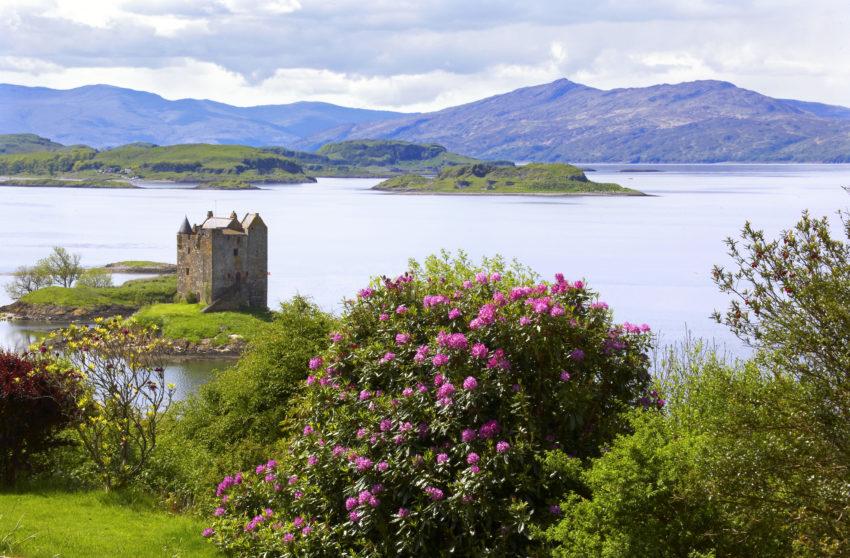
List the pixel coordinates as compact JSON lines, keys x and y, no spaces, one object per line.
{"x":552,"y":179}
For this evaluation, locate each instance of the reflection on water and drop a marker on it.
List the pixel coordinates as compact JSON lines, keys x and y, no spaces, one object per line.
{"x":186,"y":374}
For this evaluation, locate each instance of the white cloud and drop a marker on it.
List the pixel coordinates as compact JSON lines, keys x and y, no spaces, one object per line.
{"x":414,"y":55}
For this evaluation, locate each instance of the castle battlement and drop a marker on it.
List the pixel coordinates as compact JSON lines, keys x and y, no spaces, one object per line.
{"x":223,"y":262}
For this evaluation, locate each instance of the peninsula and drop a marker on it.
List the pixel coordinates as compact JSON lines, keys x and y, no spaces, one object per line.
{"x":548,"y":179}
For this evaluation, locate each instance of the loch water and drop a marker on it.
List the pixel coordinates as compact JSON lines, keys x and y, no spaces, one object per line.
{"x":649,"y":257}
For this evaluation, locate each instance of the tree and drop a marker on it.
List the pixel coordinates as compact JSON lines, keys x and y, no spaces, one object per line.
{"x":27,"y":279}
{"x":126,"y":394}
{"x":791,"y":302}
{"x":95,"y":278}
{"x":63,"y":267}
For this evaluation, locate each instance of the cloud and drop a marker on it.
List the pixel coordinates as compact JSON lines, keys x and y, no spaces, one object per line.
{"x":414,"y":55}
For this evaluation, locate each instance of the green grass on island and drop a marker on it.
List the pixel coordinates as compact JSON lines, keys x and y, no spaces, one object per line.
{"x":132,"y":294}
{"x":51,"y":523}
{"x":185,"y":321}
{"x":484,"y":179}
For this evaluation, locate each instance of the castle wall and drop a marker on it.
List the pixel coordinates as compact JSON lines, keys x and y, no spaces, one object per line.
{"x":194,"y":266}
{"x":229,"y":256}
{"x":258,"y":258}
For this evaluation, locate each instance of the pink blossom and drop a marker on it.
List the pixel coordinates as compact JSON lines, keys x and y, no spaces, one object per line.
{"x":442,"y":458}
{"x":470,"y":383}
{"x":489,"y":429}
{"x":292,"y":479}
{"x":308,"y":430}
{"x":350,"y":503}
{"x":440,"y":359}
{"x":556,"y":311}
{"x":219,"y":512}
{"x":555,"y":509}
{"x":524,"y":320}
{"x":467,"y":284}
{"x":336,"y":337}
{"x":402,"y":338}
{"x":577,"y":355}
{"x":354,"y":516}
{"x":472,"y":458}
{"x":316,"y":363}
{"x":311,"y":380}
{"x":365,"y":293}
{"x":363,"y":463}
{"x":297,"y":495}
{"x":312,"y":460}
{"x":421,"y":354}
{"x":298,"y":522}
{"x":502,"y":447}
{"x":498,"y":360}
{"x":388,"y":357}
{"x":365,"y":394}
{"x":468,"y":435}
{"x":401,"y":309}
{"x":208,"y":532}
{"x":361,"y":433}
{"x":384,"y":316}
{"x":454,"y":313}
{"x":445,"y":390}
{"x":481,"y":278}
{"x":403,"y":512}
{"x":364,"y":496}
{"x":495,"y":277}
{"x":435,"y":493}
{"x":565,"y":376}
{"x":474,"y":469}
{"x":288,"y":538}
{"x":306,"y":530}
{"x":407,"y":392}
{"x":479,"y":350}
{"x":386,"y":424}
{"x":382,"y":466}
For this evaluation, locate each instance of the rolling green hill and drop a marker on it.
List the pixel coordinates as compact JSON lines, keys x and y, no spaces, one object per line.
{"x":484,"y":179}
{"x":234,"y":165}
{"x":26,"y":143}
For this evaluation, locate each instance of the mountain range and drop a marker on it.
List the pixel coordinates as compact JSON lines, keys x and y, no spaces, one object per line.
{"x":700,"y":121}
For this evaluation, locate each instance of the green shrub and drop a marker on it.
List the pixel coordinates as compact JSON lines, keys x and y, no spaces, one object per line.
{"x":421,"y":428}
{"x":234,"y":420}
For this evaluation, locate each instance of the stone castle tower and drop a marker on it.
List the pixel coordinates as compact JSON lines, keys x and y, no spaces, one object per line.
{"x":223,"y":262}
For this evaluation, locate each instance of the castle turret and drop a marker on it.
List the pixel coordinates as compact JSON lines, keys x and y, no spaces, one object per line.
{"x":185,"y":228}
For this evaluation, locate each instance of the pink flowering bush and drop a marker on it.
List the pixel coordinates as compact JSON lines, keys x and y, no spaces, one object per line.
{"x":423,"y":430}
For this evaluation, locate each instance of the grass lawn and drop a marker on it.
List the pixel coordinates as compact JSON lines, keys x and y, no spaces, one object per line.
{"x":185,"y":321}
{"x":133,"y":294}
{"x":89,"y":524}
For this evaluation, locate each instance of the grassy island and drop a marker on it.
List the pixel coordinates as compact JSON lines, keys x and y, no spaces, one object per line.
{"x":38,"y":182}
{"x":487,"y":179}
{"x":132,"y":294}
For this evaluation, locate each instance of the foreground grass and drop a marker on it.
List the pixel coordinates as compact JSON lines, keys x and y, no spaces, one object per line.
{"x":185,"y":321}
{"x":132,"y":294}
{"x":85,"y":524}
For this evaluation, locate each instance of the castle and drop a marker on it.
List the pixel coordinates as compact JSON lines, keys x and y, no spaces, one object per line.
{"x":223,"y":262}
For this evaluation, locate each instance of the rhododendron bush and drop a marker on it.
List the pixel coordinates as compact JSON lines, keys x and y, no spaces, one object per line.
{"x":423,"y":426}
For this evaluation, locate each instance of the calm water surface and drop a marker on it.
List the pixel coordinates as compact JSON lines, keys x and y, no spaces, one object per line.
{"x":649,"y":257}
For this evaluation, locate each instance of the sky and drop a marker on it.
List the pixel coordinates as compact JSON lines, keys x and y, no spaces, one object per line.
{"x":423,"y":55}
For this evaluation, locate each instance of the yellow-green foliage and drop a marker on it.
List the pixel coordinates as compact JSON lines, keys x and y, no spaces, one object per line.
{"x":535,"y":178}
{"x":185,"y":321}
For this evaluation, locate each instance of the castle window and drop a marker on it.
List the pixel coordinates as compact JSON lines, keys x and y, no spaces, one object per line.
{"x":236,"y":251}
{"x":187,"y":271}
